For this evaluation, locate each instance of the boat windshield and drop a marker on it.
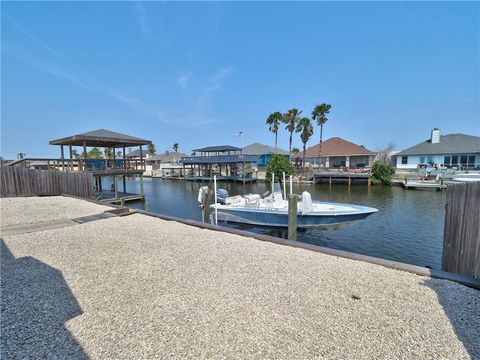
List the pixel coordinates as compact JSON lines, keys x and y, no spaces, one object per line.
{"x":277,"y":188}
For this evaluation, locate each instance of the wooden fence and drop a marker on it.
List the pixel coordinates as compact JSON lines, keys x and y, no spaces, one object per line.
{"x":461,"y":242}
{"x":16,"y":181}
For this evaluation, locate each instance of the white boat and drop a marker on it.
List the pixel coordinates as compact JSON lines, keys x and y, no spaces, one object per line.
{"x":272,"y":210}
{"x":424,"y":184}
{"x":467,"y":178}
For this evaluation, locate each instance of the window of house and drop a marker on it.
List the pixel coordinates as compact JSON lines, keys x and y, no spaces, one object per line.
{"x":446,"y":160}
{"x":454,"y":160}
{"x":430,"y":160}
{"x":471,"y":161}
{"x":404,"y":160}
{"x":464,"y":160}
{"x":422,"y":159}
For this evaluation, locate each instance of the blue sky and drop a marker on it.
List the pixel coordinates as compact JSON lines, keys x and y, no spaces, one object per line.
{"x":196,"y":73}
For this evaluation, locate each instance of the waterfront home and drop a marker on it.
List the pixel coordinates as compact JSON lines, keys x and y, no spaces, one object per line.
{"x":226,"y":161}
{"x":456,"y":151}
{"x":263,"y":152}
{"x":337,"y":152}
{"x":166,"y":164}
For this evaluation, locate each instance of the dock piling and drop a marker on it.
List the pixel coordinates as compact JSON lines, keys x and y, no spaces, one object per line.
{"x":142,"y":194}
{"x":115,"y":185}
{"x":292,"y":217}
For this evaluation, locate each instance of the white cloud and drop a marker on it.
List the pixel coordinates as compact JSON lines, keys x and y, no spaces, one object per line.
{"x":183,"y":80}
{"x":216,"y":81}
{"x":141,"y":16}
{"x":34,"y":38}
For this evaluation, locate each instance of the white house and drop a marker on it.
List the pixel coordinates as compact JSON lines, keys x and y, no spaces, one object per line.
{"x":458,"y":151}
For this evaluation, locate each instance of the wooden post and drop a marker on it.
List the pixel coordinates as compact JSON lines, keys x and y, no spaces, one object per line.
{"x":349,"y":181}
{"x":124,"y":185}
{"x":141,"y":158}
{"x":63,"y":162}
{"x":124,"y":159}
{"x":141,"y":186}
{"x":369,"y":182}
{"x":71,"y":157}
{"x":206,"y":196}
{"x":330,"y":181}
{"x":85,"y":155}
{"x":115,"y":185}
{"x":292,"y":217}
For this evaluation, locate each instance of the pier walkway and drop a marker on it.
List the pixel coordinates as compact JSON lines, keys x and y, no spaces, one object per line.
{"x":136,"y":286}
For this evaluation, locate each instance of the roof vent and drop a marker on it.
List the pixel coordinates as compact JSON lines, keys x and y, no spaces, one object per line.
{"x":435,"y":138}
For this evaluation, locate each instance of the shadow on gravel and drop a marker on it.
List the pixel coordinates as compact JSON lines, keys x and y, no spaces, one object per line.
{"x":462,"y":306}
{"x":36,"y":303}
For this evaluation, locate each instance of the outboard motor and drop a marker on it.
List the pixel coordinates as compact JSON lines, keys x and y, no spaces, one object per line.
{"x":222,"y":194}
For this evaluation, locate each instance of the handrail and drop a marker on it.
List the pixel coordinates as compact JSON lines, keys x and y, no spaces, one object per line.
{"x":218,"y":158}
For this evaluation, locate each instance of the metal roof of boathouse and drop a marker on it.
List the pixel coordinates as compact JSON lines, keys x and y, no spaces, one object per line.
{"x":261,"y":149}
{"x":101,"y":138}
{"x":219,"y":148}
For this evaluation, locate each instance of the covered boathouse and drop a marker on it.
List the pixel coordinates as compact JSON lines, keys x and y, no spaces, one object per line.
{"x":227,"y":162}
{"x":115,"y":166}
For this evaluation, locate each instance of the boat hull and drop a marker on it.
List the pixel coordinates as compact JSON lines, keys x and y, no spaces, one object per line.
{"x":279,"y":218}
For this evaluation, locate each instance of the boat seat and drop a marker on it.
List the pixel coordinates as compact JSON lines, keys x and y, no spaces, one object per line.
{"x":233,"y":200}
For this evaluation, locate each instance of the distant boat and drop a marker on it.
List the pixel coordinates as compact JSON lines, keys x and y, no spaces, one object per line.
{"x":424,"y":184}
{"x":467,"y":178}
{"x":272,"y":210}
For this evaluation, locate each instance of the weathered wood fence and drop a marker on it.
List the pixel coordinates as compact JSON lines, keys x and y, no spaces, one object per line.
{"x":16,"y":181}
{"x":461,"y":242}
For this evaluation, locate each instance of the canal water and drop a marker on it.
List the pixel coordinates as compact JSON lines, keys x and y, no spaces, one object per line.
{"x":408,"y":226}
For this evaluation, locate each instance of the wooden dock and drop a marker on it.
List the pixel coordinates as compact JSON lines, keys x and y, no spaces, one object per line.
{"x":108,"y":197}
{"x":222,"y":178}
{"x":341,"y":177}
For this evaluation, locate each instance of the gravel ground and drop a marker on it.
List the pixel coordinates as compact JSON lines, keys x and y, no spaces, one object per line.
{"x":27,"y":210}
{"x":140,"y":287}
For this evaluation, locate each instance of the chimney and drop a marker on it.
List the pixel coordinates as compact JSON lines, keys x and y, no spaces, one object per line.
{"x":435,"y":138}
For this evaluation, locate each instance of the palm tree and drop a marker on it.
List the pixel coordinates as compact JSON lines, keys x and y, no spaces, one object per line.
{"x":305,"y":129}
{"x":291,"y":119}
{"x":151,"y":149}
{"x":274,"y":121}
{"x":175,"y":147}
{"x":108,"y":153}
{"x":319,"y":115}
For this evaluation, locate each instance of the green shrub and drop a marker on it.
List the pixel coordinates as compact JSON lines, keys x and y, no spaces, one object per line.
{"x":279,"y":164}
{"x":382,"y":173}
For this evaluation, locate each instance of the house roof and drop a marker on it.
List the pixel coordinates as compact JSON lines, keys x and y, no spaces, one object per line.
{"x":136,"y":153}
{"x":261,"y":149}
{"x":337,"y":146}
{"x":101,"y":138}
{"x":219,"y":148}
{"x":166,"y":157}
{"x":449,"y":144}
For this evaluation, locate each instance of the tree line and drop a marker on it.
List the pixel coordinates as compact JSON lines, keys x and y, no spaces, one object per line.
{"x":303,"y":125}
